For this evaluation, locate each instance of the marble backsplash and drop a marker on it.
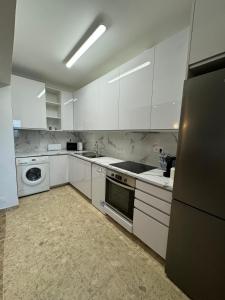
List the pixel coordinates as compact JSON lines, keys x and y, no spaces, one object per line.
{"x":136,"y":146}
{"x":37,"y":141}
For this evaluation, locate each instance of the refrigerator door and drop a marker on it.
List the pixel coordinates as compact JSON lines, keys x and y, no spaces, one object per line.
{"x":196,"y":252}
{"x":200,"y":168}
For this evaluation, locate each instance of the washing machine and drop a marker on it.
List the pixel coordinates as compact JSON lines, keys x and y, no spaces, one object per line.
{"x":32,"y":175}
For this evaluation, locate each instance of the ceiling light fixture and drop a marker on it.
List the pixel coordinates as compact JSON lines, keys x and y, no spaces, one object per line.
{"x":86,"y":45}
{"x":69,"y":101}
{"x":144,"y":65}
{"x":41,"y":94}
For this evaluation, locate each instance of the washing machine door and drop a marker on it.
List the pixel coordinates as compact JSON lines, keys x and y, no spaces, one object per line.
{"x":34,"y":175}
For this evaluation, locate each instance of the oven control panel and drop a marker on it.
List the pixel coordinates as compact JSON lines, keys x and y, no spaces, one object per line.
{"x":128,"y":180}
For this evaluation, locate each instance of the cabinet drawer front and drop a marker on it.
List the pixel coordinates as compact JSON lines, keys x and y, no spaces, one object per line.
{"x":151,"y":232}
{"x":153,"y":201}
{"x":154,"y":213}
{"x":154,"y":190}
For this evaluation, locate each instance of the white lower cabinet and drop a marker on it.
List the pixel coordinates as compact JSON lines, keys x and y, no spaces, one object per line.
{"x":58,"y":169}
{"x":98,"y":187}
{"x":152,"y":215}
{"x":80,"y":175}
{"x":151,"y":232}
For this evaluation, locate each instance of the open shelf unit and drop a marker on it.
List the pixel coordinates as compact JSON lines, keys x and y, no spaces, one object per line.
{"x":53,"y":109}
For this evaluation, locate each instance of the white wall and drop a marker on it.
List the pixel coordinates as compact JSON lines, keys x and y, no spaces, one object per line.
{"x":8,"y":187}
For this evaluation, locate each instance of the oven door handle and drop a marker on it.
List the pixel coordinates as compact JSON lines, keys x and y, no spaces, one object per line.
{"x":120,"y":184}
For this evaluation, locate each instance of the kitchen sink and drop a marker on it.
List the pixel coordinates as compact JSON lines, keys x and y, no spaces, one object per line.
{"x":91,"y":155}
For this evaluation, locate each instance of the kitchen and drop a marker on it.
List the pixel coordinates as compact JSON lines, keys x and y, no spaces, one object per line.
{"x":105,"y":141}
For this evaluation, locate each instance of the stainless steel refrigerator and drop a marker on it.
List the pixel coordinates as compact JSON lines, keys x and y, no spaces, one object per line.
{"x":195,"y":259}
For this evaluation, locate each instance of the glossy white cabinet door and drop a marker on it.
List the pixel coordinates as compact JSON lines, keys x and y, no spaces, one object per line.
{"x":88,"y":107}
{"x":98,"y":187}
{"x":67,"y":111}
{"x":207,"y":38}
{"x":58,"y":169}
{"x":80,"y":175}
{"x":169,"y":75}
{"x":108,"y":104}
{"x":26,"y":105}
{"x":136,"y":92}
{"x":76,"y":111}
{"x":151,"y":232}
{"x":166,"y":116}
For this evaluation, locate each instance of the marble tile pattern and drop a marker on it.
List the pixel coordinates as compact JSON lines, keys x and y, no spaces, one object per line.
{"x":58,"y":246}
{"x":135,"y":146}
{"x":37,"y":141}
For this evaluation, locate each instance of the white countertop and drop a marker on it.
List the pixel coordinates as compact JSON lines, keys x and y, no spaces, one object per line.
{"x":154,"y":176}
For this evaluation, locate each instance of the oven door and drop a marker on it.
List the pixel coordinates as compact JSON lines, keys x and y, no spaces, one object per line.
{"x":120,"y":197}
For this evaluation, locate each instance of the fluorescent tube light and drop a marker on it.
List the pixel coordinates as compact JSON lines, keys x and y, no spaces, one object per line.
{"x":41,"y":93}
{"x":86,"y":45}
{"x":69,"y":101}
{"x":144,"y":65}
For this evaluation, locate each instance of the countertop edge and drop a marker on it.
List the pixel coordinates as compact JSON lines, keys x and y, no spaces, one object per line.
{"x":93,"y":161}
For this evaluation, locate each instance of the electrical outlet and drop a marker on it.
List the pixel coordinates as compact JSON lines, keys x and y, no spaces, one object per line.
{"x":156,"y":148}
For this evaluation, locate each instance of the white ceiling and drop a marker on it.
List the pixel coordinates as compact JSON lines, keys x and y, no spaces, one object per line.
{"x":47,"y":30}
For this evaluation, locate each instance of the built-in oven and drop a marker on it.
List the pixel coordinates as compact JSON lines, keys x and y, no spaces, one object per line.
{"x":119,"y":197}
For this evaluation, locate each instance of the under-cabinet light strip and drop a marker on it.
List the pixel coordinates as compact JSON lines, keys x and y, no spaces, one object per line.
{"x":144,"y":65}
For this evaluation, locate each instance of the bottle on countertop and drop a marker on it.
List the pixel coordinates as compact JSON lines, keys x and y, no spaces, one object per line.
{"x":172,"y":173}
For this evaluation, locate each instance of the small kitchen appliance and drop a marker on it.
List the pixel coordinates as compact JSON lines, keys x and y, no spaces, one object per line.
{"x":71,"y":146}
{"x":170,"y":163}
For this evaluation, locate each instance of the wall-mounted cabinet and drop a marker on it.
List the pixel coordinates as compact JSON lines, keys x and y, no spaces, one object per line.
{"x":169,"y":75}
{"x":29,"y":110}
{"x":108,"y":105}
{"x":136,"y":91}
{"x":144,"y":93}
{"x":207,"y":40}
{"x":53,"y":109}
{"x":86,"y":108}
{"x":67,"y":103}
{"x":36,"y":106}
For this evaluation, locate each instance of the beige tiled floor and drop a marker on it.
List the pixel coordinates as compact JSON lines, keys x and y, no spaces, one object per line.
{"x":58,"y":246}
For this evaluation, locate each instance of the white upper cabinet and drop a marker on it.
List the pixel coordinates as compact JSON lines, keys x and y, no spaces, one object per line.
{"x":108,"y":101}
{"x":87,"y":107}
{"x":207,"y":38}
{"x":67,"y":110}
{"x":169,"y":75}
{"x":136,"y":91}
{"x":28,"y":108}
{"x":76,"y":111}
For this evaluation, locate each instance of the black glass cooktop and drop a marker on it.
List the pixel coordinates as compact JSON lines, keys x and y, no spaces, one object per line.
{"x":133,"y":166}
